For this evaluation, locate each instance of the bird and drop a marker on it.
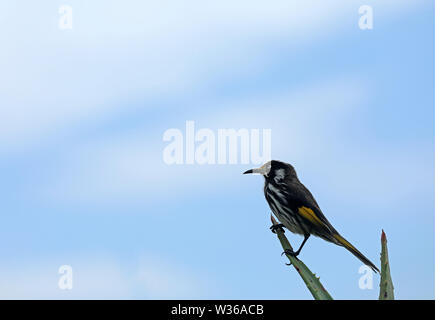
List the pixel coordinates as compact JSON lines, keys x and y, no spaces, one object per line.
{"x":297,"y":210}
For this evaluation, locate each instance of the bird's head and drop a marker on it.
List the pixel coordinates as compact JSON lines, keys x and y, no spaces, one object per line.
{"x":274,"y":170}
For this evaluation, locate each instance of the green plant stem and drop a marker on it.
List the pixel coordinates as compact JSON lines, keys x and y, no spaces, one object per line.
{"x":311,"y":281}
{"x":386,"y":286}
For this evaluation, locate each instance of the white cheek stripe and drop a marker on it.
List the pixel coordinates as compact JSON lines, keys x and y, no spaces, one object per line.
{"x":279,"y":175}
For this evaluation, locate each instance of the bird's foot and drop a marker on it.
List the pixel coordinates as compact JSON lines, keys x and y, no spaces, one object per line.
{"x":290,"y":253}
{"x":276,"y":227}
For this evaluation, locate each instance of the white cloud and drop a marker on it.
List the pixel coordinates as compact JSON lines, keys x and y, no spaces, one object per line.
{"x":130,"y":166}
{"x":52,"y":80}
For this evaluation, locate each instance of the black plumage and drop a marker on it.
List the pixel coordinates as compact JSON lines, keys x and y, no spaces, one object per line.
{"x":296,"y":209}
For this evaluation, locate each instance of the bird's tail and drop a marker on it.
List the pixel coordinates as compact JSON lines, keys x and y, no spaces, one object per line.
{"x":343,"y":242}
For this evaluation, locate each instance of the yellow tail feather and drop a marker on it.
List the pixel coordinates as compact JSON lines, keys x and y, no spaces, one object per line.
{"x":355,"y":252}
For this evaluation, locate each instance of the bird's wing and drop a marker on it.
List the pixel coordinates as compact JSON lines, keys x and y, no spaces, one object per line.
{"x":305,"y":206}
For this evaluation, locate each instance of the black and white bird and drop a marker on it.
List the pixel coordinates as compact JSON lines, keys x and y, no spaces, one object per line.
{"x":296,"y":209}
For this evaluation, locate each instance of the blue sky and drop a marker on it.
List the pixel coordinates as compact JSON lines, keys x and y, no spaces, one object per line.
{"x":83,"y":113}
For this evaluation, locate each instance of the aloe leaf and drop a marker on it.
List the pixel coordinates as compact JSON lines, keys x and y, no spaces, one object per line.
{"x":311,"y":281}
{"x":386,"y":286}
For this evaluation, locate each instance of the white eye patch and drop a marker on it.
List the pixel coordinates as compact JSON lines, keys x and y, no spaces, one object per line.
{"x":279,"y":175}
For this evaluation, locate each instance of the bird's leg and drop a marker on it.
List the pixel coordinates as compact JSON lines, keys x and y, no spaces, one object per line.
{"x":276,"y":227}
{"x":306,"y":236}
{"x":295,"y":254}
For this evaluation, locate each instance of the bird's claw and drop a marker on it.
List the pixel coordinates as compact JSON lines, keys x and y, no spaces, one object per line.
{"x":276,"y":227}
{"x":290,"y":253}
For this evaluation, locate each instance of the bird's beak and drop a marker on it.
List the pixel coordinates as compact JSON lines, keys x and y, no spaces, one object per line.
{"x":263,"y":170}
{"x":256,"y":170}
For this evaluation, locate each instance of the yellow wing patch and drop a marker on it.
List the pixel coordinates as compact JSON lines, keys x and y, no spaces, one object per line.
{"x":309,"y":214}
